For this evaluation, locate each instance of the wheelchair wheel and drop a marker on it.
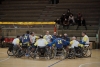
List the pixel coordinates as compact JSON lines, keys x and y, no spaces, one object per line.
{"x":32,"y":55}
{"x":10,"y":53}
{"x":72,"y":54}
{"x":54,"y":52}
{"x":87,"y":52}
{"x":64,"y":54}
{"x":20,"y":53}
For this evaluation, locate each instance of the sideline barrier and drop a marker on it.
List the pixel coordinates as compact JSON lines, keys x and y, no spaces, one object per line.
{"x":27,"y":23}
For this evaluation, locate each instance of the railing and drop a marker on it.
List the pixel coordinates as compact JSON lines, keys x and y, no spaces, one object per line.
{"x":38,"y":29}
{"x":98,"y":36}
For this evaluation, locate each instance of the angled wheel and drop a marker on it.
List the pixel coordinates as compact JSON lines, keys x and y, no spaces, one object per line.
{"x":87,"y":52}
{"x":32,"y":55}
{"x":63,"y":56}
{"x":10,"y":53}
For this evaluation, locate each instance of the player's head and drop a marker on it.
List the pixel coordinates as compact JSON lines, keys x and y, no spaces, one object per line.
{"x":41,"y":36}
{"x":65,"y":34}
{"x":32,"y":33}
{"x":83,"y":33}
{"x":73,"y":38}
{"x":17,"y":36}
{"x":54,"y":33}
{"x":47,"y":32}
{"x":60,"y":36}
{"x":27,"y":32}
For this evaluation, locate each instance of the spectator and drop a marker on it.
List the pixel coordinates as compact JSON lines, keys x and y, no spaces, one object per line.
{"x":58,"y":21}
{"x":78,"y":19}
{"x":54,"y":1}
{"x":63,"y":18}
{"x":68,"y":13}
{"x":71,"y":19}
{"x":82,"y":23}
{"x":65,"y":23}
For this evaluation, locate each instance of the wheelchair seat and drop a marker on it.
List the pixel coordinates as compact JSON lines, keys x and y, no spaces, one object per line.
{"x":24,"y":46}
{"x":59,"y":49}
{"x":77,"y":49}
{"x":86,"y":45}
{"x":41,"y":49}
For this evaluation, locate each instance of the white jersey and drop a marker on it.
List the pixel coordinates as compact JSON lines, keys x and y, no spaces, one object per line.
{"x":85,"y":39}
{"x":41,"y":42}
{"x":75,"y":43}
{"x":15,"y":41}
{"x":48,"y":38}
{"x":32,"y":39}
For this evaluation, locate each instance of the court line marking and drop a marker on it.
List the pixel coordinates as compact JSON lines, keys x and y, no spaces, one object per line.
{"x":55,"y":63}
{"x":5,"y":58}
{"x":88,"y":63}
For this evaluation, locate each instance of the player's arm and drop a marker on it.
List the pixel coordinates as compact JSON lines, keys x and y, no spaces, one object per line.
{"x":36,"y":43}
{"x":18,"y":43}
{"x":30,"y":38}
{"x":44,"y":37}
{"x":71,"y":42}
{"x":45,"y":42}
{"x":84,"y":40}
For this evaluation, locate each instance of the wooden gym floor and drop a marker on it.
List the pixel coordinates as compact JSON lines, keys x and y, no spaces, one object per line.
{"x":6,"y":61}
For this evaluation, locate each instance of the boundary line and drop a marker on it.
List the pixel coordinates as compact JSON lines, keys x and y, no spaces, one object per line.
{"x":5,"y":58}
{"x":88,"y":63}
{"x":56,"y":63}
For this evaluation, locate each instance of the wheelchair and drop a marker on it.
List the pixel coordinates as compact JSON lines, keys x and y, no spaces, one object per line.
{"x":21,"y":52}
{"x":75,"y":52}
{"x":59,"y":52}
{"x":71,"y":53}
{"x":87,"y":51}
{"x":12,"y":50}
{"x":42,"y":52}
{"x":78,"y":51}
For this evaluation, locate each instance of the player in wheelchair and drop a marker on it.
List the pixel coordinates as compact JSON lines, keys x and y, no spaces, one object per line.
{"x":41,"y":50}
{"x":58,"y":48}
{"x":74,"y":49}
{"x":85,"y":41}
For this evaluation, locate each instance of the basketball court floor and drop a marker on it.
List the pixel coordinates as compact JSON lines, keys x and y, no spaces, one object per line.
{"x":6,"y":61}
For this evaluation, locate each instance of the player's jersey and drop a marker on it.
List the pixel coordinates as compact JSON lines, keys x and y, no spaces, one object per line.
{"x":74,"y":43}
{"x":32,"y":39}
{"x":48,"y":38}
{"x":41,"y":42}
{"x":53,"y":37}
{"x":85,"y":39}
{"x":58,"y":42}
{"x":65,"y":43}
{"x":26,"y":39}
{"x":16,"y":41}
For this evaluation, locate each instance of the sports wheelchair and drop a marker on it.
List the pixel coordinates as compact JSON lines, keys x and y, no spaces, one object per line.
{"x":21,"y":52}
{"x":80,"y":52}
{"x":42,"y":52}
{"x":59,"y":52}
{"x":87,"y":51}
{"x":12,"y":50}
